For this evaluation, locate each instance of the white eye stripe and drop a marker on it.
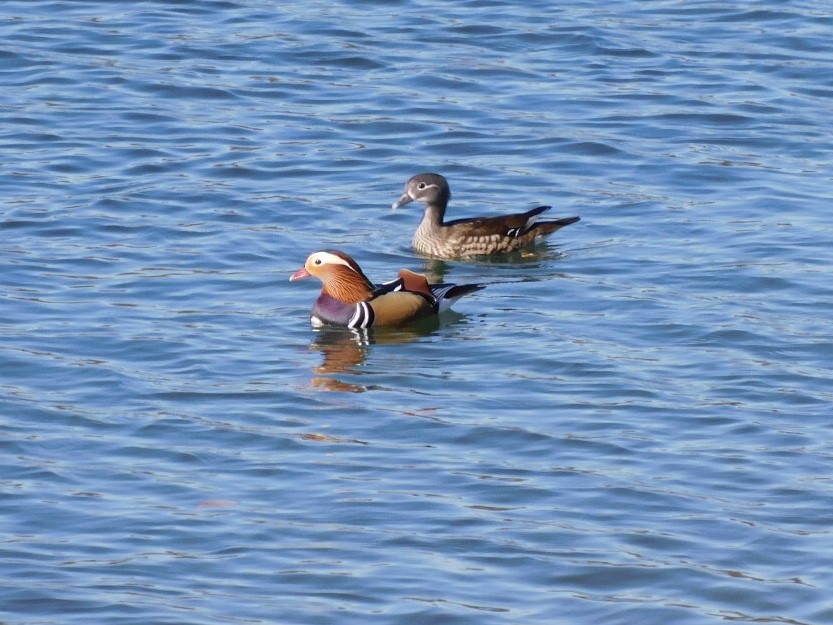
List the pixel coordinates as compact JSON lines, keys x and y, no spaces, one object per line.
{"x":331,"y":258}
{"x":322,"y":258}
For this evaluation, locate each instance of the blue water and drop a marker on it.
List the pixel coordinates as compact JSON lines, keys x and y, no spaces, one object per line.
{"x":631,"y":424}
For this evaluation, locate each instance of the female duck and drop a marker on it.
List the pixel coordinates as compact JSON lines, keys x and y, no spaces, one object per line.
{"x":475,"y":235}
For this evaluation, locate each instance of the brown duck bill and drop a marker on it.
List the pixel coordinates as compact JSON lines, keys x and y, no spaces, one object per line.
{"x":300,"y":274}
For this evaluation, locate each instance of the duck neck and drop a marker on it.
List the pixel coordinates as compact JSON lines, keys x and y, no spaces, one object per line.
{"x":347,"y":286}
{"x":433,"y":215}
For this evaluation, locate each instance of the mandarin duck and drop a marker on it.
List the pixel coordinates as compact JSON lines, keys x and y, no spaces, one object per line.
{"x":348,"y":298}
{"x":475,"y":235}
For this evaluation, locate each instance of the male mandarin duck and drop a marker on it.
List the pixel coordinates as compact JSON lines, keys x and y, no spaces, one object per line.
{"x":475,"y":235}
{"x":348,"y":298}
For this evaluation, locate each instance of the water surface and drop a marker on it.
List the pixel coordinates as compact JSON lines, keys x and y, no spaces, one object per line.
{"x":629,"y":425}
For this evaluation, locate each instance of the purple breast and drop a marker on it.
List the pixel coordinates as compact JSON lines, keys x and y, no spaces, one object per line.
{"x":330,"y":310}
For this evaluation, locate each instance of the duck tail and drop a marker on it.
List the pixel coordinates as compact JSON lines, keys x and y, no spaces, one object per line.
{"x":447,"y":294}
{"x":548,"y":227}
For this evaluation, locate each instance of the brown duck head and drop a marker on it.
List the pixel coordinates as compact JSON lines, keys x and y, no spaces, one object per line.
{"x":341,"y":276}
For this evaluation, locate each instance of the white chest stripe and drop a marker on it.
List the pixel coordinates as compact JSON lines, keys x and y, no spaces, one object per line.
{"x":362,"y":318}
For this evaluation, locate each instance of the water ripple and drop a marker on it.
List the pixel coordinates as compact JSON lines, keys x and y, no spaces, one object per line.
{"x":620,"y":427}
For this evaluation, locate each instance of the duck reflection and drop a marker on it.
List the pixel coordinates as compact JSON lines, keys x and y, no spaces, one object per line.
{"x":435,"y":269}
{"x":344,"y":350}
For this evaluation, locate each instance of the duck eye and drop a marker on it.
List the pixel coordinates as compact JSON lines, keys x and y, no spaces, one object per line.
{"x":317,"y":261}
{"x":421,"y":186}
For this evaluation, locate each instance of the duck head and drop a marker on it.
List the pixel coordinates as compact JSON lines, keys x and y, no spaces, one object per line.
{"x":341,"y":276}
{"x":431,"y":189}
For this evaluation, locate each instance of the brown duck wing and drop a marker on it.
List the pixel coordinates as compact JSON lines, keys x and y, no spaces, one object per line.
{"x":517,"y":225}
{"x":503,"y":225}
{"x":400,"y":307}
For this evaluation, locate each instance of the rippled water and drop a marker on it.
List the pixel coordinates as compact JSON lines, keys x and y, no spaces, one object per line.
{"x":631,"y":424}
